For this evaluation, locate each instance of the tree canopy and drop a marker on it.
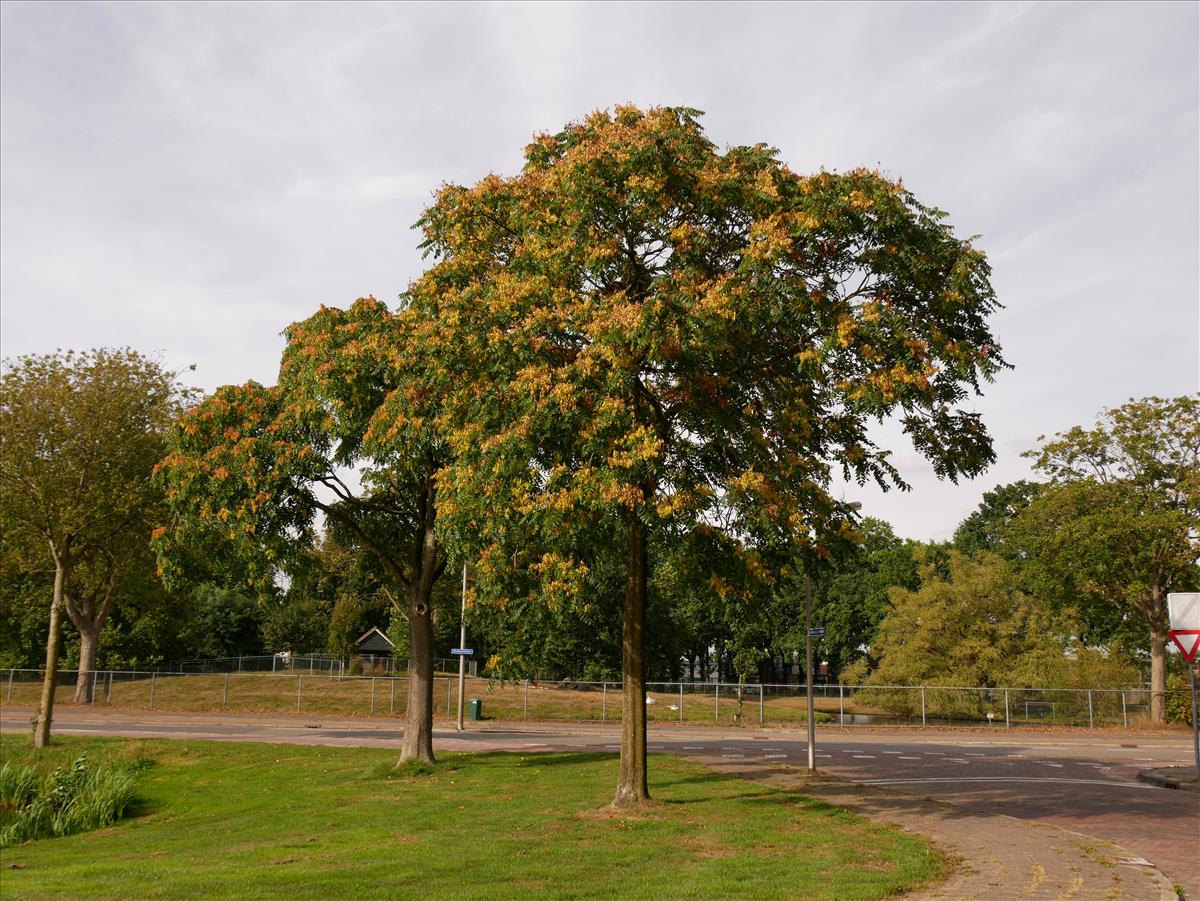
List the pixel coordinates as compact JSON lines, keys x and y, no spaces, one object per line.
{"x":342,"y":443}
{"x":642,"y":332}
{"x":80,"y":433}
{"x":1115,"y":529}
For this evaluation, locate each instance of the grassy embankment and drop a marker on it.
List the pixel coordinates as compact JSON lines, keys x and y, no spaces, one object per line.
{"x":256,"y":821}
{"x":364,"y":696}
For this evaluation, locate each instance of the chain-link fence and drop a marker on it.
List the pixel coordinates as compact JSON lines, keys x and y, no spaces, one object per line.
{"x":319,"y":685}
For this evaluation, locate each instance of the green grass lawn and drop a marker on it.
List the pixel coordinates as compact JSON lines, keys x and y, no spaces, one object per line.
{"x":232,"y":820}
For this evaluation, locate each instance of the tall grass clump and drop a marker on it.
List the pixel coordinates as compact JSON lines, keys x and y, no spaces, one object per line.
{"x":67,"y":800}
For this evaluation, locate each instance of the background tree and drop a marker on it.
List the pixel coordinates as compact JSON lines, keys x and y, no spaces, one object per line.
{"x":342,"y":442}
{"x":985,"y":528}
{"x":1117,"y":527}
{"x":640,"y":332}
{"x":80,"y":433}
{"x":975,"y":627}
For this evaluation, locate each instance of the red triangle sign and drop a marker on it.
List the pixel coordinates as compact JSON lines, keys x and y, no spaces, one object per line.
{"x":1188,"y":642}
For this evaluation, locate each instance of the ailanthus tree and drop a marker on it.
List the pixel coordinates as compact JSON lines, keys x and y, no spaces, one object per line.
{"x":638,"y":329}
{"x":341,"y":438}
{"x":80,"y":433}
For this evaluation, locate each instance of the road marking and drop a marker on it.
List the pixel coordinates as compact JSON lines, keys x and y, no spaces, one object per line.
{"x":969,"y":754}
{"x":693,"y":747}
{"x":1048,"y":763}
{"x":772,"y":749}
{"x":773,"y":756}
{"x":822,"y":755}
{"x":893,"y":752}
{"x":864,"y":756}
{"x":733,"y":755}
{"x":908,"y":758}
{"x":934,"y":753}
{"x":961,"y":779}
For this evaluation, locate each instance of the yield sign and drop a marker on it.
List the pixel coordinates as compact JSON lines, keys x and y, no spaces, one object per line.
{"x":1188,"y":642}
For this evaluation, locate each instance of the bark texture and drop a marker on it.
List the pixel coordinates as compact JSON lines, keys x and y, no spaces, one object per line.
{"x":41,"y":730}
{"x":632,"y":787}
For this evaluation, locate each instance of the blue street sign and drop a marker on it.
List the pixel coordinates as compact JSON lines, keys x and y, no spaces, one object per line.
{"x":465,"y":652}
{"x":817,"y":631}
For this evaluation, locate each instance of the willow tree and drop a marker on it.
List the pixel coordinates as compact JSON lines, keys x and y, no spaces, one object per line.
{"x":80,"y":433}
{"x":640,"y":328}
{"x":340,"y":442}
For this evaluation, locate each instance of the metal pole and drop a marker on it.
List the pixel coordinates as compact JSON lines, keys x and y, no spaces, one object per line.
{"x":841,"y":704}
{"x":1124,"y":713}
{"x":299,"y":691}
{"x":11,"y":673}
{"x":462,"y":643}
{"x":681,"y":702}
{"x":225,"y":694}
{"x":808,"y":689}
{"x":717,"y":703}
{"x":152,"y":675}
{"x":1195,"y":718}
{"x":603,"y":701}
{"x":760,"y":702}
{"x":1091,"y":717}
{"x":449,"y":695}
{"x":392,"y":697}
{"x":372,"y":694}
{"x":1007,"y":723}
{"x":922,"y":705}
{"x":525,"y":709}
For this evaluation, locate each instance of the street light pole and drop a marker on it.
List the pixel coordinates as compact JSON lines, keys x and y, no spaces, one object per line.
{"x":462,"y":643}
{"x":808,"y":674}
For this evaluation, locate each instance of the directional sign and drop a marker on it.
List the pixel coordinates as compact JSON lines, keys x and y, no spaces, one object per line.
{"x":817,"y":631}
{"x":464,"y":652}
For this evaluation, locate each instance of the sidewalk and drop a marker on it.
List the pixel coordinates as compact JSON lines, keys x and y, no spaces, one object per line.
{"x":994,"y":858}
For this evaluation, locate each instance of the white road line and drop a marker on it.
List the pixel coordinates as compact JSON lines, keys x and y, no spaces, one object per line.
{"x":772,"y":749}
{"x":969,"y":754}
{"x":733,"y":755}
{"x":693,"y":747}
{"x":893,"y":752}
{"x":773,"y":756}
{"x":822,"y":755}
{"x":908,"y":758}
{"x":1048,"y":763}
{"x":864,"y":756}
{"x":934,"y":753}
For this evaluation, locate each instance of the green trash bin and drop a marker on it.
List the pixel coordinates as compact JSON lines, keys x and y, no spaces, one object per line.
{"x":475,"y":709}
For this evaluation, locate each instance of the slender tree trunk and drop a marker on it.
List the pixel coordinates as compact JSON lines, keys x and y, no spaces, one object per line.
{"x":632,"y":786}
{"x":1158,"y":675}
{"x":41,"y":732}
{"x":89,"y":634}
{"x":418,"y":719}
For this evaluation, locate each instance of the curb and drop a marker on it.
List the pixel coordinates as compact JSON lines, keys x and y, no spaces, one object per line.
{"x":1181,"y":778}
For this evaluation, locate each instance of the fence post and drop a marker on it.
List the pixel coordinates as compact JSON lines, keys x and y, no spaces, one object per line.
{"x":225,"y":694}
{"x":841,"y":704}
{"x":392,"y":699}
{"x":372,"y":694}
{"x":299,"y":691}
{"x":525,"y":708}
{"x":760,"y":703}
{"x":603,"y":701}
{"x":922,"y":705}
{"x":717,"y":703}
{"x":448,"y":695}
{"x":1007,"y":724}
{"x":681,"y":700}
{"x":108,"y":692}
{"x":1091,"y":717}
{"x":1124,"y":714}
{"x":11,"y":673}
{"x":239,"y":664}
{"x":152,"y":676}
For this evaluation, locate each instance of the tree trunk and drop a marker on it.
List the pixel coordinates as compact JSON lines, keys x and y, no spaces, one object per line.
{"x":418,"y":720}
{"x":41,"y":732}
{"x":89,"y":634}
{"x":1158,"y":675}
{"x":631,"y":785}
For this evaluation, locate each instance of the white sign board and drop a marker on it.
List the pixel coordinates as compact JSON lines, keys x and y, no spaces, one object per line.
{"x":1184,"y":610}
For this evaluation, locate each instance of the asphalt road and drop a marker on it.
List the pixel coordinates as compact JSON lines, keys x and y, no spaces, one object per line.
{"x":1086,"y":783}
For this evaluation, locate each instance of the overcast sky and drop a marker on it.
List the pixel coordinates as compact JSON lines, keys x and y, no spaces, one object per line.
{"x":187,"y":179}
